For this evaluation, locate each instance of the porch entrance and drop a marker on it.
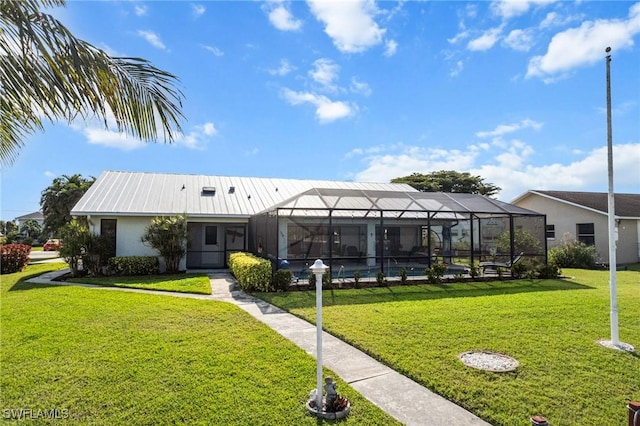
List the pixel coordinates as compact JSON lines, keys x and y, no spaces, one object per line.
{"x":211,"y":243}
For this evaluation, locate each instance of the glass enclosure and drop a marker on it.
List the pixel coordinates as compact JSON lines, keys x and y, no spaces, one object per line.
{"x":378,"y":231}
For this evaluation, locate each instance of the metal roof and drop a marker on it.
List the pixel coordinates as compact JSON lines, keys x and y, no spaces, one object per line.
{"x":344,"y":202}
{"x":145,"y":194}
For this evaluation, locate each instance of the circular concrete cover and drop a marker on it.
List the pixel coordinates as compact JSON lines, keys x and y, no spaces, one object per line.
{"x":488,"y":361}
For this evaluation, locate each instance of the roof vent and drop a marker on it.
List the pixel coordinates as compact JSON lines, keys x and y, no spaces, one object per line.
{"x":232,"y":189}
{"x":208,"y":190}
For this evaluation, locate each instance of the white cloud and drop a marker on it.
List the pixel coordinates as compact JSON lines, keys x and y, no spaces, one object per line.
{"x":521,"y":40}
{"x":325,"y":72}
{"x":140,"y":10}
{"x":511,"y":170}
{"x":198,"y":10}
{"x":504,"y":129}
{"x":487,"y":40}
{"x":109,"y":138}
{"x":152,"y":38}
{"x":360,"y":87}
{"x":209,"y":129}
{"x":284,"y":68}
{"x":49,"y":174}
{"x":391,"y":48}
{"x":350,"y":24}
{"x":583,"y":174}
{"x":463,"y":34}
{"x":585,"y":44}
{"x":507,"y":9}
{"x":112,"y":139}
{"x":281,"y":18}
{"x":216,"y":51}
{"x":326,"y":109}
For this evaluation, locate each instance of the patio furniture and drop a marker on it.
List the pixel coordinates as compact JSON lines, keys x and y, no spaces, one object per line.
{"x":496,"y":265}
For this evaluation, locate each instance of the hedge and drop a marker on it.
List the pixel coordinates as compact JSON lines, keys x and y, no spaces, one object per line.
{"x":253,"y":273}
{"x":133,"y":265}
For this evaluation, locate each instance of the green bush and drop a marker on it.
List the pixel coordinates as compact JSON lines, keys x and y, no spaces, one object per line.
{"x":168,"y":235}
{"x":550,"y":270}
{"x":282,"y":280}
{"x":326,"y":279}
{"x":403,"y":275}
{"x":435,"y":273}
{"x":14,"y":258}
{"x":356,"y":278}
{"x":252,"y":273}
{"x":380,"y":279}
{"x":574,"y":254}
{"x":96,"y":253}
{"x":133,"y":265}
{"x":75,"y":234}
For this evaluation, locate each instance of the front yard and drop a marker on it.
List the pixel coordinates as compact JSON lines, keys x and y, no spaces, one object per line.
{"x":549,"y":326}
{"x":106,"y":357}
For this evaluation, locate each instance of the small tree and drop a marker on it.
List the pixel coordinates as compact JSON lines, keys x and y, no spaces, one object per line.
{"x":168,"y":235}
{"x":75,"y":235}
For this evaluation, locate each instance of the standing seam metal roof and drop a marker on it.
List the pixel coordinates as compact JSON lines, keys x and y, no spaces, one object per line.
{"x":147,"y":194}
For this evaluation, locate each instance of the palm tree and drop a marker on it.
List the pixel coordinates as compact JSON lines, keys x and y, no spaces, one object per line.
{"x":48,"y":74}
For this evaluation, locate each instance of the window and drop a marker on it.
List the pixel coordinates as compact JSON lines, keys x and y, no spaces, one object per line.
{"x":211,"y":235}
{"x":585,"y":233}
{"x":551,"y":232}
{"x":108,"y":228}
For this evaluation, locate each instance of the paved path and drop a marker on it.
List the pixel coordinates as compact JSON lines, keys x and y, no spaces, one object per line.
{"x":402,"y":398}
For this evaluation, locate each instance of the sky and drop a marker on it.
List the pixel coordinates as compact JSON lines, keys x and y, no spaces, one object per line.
{"x":511,"y":91}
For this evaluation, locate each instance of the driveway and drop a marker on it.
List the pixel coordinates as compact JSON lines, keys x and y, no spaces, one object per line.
{"x":44,"y":256}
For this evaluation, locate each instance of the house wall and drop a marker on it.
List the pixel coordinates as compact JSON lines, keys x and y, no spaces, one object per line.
{"x":565,"y":217}
{"x":129,"y":230}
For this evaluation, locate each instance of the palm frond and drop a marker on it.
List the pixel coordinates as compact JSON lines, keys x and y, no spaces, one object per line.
{"x":46,"y":72}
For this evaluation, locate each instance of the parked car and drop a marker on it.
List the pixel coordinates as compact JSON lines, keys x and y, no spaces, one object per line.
{"x":52,"y":244}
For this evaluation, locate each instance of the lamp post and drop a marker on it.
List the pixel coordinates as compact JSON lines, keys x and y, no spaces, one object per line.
{"x":611,"y":213}
{"x":318,"y":269}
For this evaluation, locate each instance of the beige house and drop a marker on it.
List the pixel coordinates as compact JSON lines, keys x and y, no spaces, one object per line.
{"x":583,"y":216}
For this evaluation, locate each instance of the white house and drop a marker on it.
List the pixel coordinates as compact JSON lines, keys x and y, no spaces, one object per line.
{"x":373,"y":225}
{"x":583,"y":216}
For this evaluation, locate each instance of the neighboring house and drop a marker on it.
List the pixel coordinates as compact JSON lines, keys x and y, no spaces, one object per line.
{"x":37,"y":216}
{"x":371,"y":224}
{"x":583,"y":216}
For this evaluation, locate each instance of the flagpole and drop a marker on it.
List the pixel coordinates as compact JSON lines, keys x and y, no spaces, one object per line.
{"x":615,"y":340}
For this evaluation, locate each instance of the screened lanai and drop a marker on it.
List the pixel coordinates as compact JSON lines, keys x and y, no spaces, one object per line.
{"x":371,"y":231}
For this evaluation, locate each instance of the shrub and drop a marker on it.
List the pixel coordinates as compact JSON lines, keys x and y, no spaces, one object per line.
{"x":356,"y":278}
{"x":574,"y":254}
{"x":520,"y":269}
{"x":75,"y":235}
{"x":282,"y":279}
{"x":403,"y":275}
{"x":474,"y":270}
{"x":326,"y":279}
{"x":252,"y":273}
{"x":380,"y":278}
{"x":550,"y":270}
{"x":14,"y":258}
{"x":133,"y":265}
{"x":435,"y":273}
{"x":96,"y":253}
{"x":168,"y":235}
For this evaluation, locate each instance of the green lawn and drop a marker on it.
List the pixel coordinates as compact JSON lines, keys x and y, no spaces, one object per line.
{"x":113,"y":357}
{"x":183,"y":283}
{"x":549,"y":326}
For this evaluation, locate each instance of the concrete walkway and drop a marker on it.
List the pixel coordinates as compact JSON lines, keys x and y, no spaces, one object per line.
{"x":402,"y":398}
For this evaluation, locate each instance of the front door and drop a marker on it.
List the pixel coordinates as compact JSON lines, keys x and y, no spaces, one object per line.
{"x":234,"y":240}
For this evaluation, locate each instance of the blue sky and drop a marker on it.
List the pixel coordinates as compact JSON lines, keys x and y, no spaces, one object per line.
{"x":367,"y":91}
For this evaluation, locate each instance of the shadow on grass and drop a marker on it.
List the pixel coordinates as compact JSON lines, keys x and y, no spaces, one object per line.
{"x":335,"y":297}
{"x":22,"y":284}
